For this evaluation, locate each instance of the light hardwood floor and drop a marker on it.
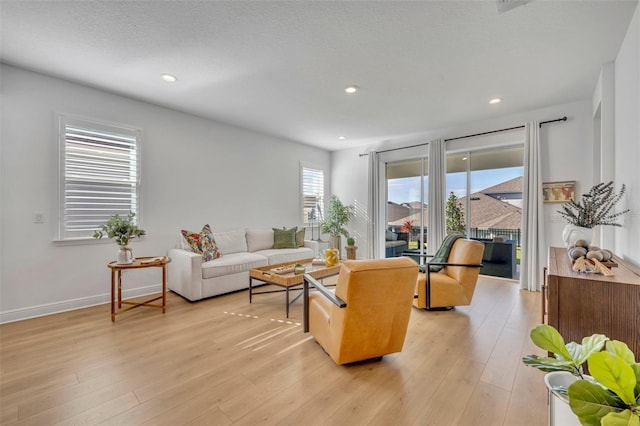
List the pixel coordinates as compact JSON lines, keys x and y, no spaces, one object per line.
{"x":223,"y":361}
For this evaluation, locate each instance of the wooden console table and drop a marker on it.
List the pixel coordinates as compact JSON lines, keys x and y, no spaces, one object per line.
{"x":580,"y":305}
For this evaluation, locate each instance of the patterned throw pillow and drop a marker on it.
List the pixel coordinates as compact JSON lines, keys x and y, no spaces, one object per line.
{"x":285,"y":238}
{"x":202,"y":243}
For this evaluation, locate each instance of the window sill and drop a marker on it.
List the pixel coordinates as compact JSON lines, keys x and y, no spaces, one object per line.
{"x":87,"y":241}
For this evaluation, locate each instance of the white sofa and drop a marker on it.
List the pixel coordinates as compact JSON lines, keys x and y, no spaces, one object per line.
{"x":241,"y":251}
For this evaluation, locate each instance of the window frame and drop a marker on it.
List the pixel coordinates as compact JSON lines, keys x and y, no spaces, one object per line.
{"x":304,"y":166}
{"x":90,"y":124}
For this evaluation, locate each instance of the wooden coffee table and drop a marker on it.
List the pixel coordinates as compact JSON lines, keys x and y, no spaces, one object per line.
{"x":289,"y":281}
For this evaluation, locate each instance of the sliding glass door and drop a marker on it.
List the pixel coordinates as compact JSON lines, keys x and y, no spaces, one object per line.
{"x":484,"y":200}
{"x":406,"y":206}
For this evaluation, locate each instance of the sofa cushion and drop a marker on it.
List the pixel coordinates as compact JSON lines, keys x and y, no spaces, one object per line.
{"x":285,"y":238}
{"x":286,"y":255}
{"x":390,"y":236}
{"x":232,"y":264}
{"x":259,"y":239}
{"x":202,"y":243}
{"x":231,"y":241}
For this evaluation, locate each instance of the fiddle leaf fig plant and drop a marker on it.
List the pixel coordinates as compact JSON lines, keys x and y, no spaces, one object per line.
{"x":568,"y":357}
{"x":338,"y":215}
{"x":612,"y":398}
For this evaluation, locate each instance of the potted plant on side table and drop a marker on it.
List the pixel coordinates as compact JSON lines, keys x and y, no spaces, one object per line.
{"x":351,"y":248}
{"x":610,"y":396}
{"x":121,"y":229}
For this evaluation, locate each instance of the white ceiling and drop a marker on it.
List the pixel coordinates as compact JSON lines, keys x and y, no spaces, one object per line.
{"x":281,"y":67}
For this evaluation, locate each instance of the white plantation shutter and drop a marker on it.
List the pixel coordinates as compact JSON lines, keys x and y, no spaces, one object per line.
{"x":100,"y":175}
{"x":312,"y":195}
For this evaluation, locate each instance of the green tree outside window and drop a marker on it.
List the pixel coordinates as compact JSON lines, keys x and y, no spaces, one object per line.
{"x":454,"y":214}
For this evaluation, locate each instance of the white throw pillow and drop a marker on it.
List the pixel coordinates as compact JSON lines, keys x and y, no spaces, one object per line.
{"x":231,"y":241}
{"x":259,"y":239}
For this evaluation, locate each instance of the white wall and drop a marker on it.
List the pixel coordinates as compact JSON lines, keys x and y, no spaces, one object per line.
{"x":627,"y":140}
{"x":566,"y":151}
{"x":194,"y":171}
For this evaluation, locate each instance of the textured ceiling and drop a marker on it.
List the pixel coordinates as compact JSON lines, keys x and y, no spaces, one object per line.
{"x":281,"y":67}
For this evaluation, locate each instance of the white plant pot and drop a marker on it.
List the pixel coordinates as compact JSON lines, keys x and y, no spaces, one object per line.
{"x":334,"y":242}
{"x":560,"y":413}
{"x":125,"y":255}
{"x":573,"y":233}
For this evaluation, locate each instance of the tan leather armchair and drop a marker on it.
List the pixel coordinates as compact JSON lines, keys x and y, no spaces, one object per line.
{"x":455,"y":283}
{"x":368,"y":314}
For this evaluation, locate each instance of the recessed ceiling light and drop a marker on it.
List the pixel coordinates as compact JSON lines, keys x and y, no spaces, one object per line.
{"x":351,"y":89}
{"x":341,"y":138}
{"x":495,"y":101}
{"x":169,"y":78}
{"x":464,"y":158}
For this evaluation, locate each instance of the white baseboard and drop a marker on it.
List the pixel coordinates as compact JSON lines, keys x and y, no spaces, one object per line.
{"x":73,"y":304}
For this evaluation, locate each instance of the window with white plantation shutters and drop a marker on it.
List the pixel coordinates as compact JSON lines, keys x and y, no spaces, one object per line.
{"x":100,"y":175}
{"x":312,"y":195}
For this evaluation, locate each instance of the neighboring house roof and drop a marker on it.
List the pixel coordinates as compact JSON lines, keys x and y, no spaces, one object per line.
{"x":510,"y":186}
{"x":396,"y":211}
{"x":415,"y":205}
{"x":415,"y":218}
{"x":486,"y":212}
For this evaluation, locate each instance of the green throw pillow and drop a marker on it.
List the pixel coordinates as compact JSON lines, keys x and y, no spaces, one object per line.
{"x":443,"y":252}
{"x":300,"y":238}
{"x":285,"y":238}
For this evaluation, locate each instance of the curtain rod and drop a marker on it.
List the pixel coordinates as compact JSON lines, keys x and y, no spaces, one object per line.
{"x":469,"y":136}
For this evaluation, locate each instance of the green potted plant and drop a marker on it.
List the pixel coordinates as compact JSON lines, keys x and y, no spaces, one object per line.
{"x":595,"y":208}
{"x":610,"y":396}
{"x":121,"y":229}
{"x":351,"y":248}
{"x":336,"y":218}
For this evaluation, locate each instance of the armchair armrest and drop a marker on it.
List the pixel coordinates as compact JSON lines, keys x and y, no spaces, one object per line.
{"x":424,"y":267}
{"x":470,"y":265}
{"x":410,"y":254}
{"x":185,"y":274}
{"x":313,"y":245}
{"x":310,"y":281}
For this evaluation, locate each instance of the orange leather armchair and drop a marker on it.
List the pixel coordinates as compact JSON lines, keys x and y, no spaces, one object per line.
{"x":367,"y":317}
{"x":455,"y":283}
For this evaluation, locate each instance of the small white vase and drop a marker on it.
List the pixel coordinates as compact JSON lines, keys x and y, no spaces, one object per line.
{"x":125,"y":255}
{"x":573,"y":233}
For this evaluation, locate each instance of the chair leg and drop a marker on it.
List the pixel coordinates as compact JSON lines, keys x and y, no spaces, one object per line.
{"x":441,"y":308}
{"x":428,"y":288}
{"x":366,"y":361}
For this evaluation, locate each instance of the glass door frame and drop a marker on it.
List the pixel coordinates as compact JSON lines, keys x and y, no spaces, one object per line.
{"x":403,"y":154}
